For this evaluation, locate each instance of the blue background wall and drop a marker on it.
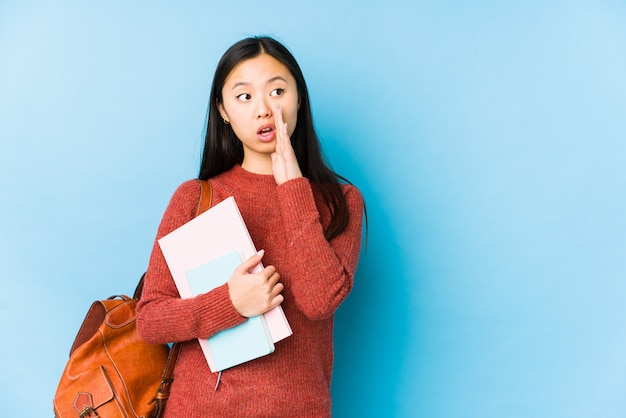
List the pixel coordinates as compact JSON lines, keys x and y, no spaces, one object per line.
{"x":487,"y":138}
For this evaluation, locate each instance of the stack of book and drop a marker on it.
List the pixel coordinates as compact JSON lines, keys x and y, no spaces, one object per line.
{"x":202,"y":255}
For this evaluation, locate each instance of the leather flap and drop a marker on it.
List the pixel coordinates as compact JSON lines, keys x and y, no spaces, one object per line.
{"x":92,"y":390}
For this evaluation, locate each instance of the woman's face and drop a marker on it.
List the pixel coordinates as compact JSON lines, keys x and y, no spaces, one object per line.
{"x":251,"y":94}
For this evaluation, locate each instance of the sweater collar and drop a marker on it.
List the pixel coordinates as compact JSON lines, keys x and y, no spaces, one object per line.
{"x":254,"y":180}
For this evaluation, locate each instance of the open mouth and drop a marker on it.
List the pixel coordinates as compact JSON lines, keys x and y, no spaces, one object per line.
{"x":265,"y":133}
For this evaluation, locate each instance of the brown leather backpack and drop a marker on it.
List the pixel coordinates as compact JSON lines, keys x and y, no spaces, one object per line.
{"x":112,"y":372}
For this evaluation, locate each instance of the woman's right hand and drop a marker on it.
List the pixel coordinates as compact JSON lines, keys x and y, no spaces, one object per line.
{"x":254,"y":293}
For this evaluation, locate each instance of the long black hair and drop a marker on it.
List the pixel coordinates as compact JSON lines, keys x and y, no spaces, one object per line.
{"x":222,"y":148}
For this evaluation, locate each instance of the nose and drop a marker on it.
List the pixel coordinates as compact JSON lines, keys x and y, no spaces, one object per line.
{"x":263,"y":110}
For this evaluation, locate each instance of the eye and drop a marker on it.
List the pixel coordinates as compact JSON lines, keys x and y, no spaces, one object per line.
{"x":277,"y":92}
{"x":244,"y":97}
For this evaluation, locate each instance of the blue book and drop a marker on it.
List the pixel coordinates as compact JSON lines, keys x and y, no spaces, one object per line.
{"x":243,"y":342}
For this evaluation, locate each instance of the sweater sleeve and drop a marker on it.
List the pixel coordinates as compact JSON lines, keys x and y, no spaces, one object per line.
{"x":162,"y":316}
{"x":322,"y":271}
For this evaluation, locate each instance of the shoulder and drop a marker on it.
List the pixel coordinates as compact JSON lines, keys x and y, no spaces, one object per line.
{"x":188,"y":190}
{"x":350,"y":189}
{"x":185,"y":198}
{"x":354,"y":198}
{"x":181,"y":208}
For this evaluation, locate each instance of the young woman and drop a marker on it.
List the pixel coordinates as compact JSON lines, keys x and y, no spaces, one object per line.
{"x":262,"y":149}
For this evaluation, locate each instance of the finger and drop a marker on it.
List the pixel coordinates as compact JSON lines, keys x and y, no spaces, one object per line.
{"x":280,"y":129}
{"x":251,"y":262}
{"x":268,"y":272}
{"x":278,"y":299}
{"x":286,"y":142}
{"x":278,"y":289}
{"x":279,"y":118}
{"x":273,"y":278}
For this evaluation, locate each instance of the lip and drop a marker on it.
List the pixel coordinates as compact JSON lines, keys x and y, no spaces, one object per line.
{"x":266,"y":133}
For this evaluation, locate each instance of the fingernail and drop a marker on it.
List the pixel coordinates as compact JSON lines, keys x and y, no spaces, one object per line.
{"x":260,"y":252}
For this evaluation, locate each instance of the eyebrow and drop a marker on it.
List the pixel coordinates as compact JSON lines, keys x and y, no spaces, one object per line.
{"x":271,"y":80}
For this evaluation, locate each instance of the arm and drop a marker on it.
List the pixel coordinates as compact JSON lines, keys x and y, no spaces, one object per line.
{"x":321,"y":272}
{"x":162,"y":316}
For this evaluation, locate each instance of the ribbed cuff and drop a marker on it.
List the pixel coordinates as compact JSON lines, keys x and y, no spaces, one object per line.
{"x":216,"y":311}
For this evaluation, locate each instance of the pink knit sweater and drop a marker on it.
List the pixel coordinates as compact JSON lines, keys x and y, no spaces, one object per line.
{"x":287,"y":222}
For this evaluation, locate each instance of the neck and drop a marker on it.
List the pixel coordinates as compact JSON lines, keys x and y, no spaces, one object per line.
{"x":257,"y":165}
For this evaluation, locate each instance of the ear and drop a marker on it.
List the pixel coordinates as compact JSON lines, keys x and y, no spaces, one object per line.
{"x":222,"y":111}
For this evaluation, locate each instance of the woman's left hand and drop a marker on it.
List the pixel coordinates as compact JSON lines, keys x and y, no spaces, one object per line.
{"x":284,"y":162}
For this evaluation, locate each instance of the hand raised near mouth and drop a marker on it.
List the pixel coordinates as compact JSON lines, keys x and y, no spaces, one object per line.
{"x":284,"y":162}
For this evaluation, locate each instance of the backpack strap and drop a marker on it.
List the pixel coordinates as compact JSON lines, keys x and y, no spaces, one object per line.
{"x":206,"y":197}
{"x":166,"y":381}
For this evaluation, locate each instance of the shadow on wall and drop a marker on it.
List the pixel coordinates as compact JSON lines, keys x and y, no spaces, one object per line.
{"x":372,"y":325}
